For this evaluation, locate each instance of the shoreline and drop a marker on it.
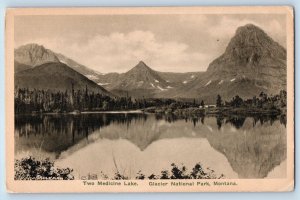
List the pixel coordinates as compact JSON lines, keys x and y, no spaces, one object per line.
{"x":225,"y":111}
{"x":176,"y":112}
{"x":84,"y":112}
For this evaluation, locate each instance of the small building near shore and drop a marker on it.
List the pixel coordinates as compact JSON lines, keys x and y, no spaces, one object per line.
{"x":208,"y":106}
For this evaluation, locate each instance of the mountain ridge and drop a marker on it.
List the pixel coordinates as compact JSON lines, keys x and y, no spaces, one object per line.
{"x":251,"y":63}
{"x":247,"y":67}
{"x":33,"y":55}
{"x":56,"y":77}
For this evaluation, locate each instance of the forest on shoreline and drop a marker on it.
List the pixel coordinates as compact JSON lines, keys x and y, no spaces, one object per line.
{"x":29,"y":101}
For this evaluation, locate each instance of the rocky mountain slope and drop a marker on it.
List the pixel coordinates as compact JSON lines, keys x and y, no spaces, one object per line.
{"x":20,"y":67}
{"x":142,"y":81}
{"x":55,"y":76}
{"x":34,"y":55}
{"x":89,"y":73}
{"x":252,"y":62}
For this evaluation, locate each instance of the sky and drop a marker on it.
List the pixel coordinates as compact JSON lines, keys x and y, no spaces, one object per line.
{"x":116,"y":43}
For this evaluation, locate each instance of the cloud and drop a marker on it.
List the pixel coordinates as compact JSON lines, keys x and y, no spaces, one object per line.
{"x":118,"y":52}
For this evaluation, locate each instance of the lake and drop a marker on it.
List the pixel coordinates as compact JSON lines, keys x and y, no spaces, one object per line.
{"x":102,"y":144}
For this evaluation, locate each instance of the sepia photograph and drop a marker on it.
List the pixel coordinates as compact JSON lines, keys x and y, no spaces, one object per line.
{"x":150,"y":99}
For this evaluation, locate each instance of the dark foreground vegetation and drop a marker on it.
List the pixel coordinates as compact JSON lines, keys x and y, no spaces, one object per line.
{"x":47,"y":101}
{"x":179,"y":172}
{"x":31,"y":169}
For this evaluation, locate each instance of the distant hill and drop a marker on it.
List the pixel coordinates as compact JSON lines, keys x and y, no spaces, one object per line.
{"x":55,"y":76}
{"x":20,"y":67}
{"x":89,"y":73}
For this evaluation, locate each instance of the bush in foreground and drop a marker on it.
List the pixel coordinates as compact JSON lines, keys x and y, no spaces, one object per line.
{"x":182,"y":173}
{"x":176,"y":172}
{"x":32,"y":169}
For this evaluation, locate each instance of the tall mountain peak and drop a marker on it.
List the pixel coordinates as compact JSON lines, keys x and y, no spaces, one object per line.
{"x":248,"y":27}
{"x":32,"y":46}
{"x":33,"y":55}
{"x":251,"y":41}
{"x":140,"y":67}
{"x":249,"y":47}
{"x":141,"y":64}
{"x":251,"y":63}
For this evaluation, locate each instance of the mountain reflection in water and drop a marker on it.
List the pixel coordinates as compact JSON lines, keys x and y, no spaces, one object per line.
{"x":252,"y":146}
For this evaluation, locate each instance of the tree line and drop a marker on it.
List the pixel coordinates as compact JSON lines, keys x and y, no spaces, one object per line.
{"x":263,"y":101}
{"x":34,"y":100}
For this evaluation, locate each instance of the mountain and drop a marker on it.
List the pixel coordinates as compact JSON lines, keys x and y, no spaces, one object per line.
{"x":55,"y":76}
{"x":179,"y":77}
{"x":34,"y":55}
{"x":142,"y":81}
{"x":89,"y":73}
{"x":20,"y":67}
{"x":108,"y":80}
{"x":252,"y":62}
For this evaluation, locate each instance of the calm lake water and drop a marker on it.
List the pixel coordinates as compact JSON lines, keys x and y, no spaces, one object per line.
{"x":103,"y":143}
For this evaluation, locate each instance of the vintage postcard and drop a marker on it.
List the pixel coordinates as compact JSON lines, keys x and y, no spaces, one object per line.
{"x":160,"y":99}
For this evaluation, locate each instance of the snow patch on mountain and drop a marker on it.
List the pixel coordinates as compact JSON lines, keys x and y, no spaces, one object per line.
{"x":91,"y":77}
{"x":209,"y":82}
{"x":162,"y":89}
{"x":62,"y":61}
{"x":102,"y":84}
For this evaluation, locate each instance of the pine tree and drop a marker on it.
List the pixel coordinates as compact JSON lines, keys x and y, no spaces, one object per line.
{"x":219,"y":101}
{"x":202,"y":104}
